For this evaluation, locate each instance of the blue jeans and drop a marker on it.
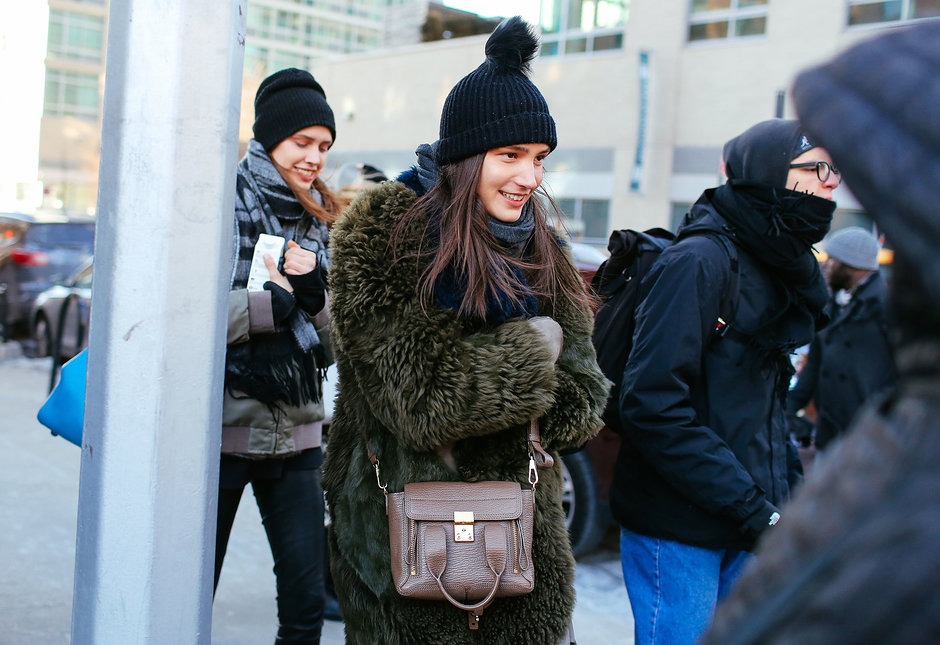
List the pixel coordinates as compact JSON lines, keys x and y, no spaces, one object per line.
{"x":673,"y":587}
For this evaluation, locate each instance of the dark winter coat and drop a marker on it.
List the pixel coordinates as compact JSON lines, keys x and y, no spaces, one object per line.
{"x":856,"y":559}
{"x":848,"y":362}
{"x":412,"y":381}
{"x":253,"y":427}
{"x":706,"y":439}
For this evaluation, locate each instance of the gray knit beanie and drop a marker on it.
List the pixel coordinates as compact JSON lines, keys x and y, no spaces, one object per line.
{"x":288,"y":101}
{"x":855,"y":247}
{"x":496,"y":104}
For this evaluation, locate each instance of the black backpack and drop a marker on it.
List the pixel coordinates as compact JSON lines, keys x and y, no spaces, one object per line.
{"x":617,"y":285}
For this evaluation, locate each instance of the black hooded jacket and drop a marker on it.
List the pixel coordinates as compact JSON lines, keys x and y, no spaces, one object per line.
{"x":706,"y":447}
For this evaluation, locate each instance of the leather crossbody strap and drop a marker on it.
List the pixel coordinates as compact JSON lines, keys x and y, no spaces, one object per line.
{"x":538,"y":457}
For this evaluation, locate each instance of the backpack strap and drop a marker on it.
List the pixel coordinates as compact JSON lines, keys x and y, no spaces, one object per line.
{"x":728,"y":307}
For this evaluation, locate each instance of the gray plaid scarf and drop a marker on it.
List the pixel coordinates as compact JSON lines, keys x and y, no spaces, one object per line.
{"x":282,"y":366}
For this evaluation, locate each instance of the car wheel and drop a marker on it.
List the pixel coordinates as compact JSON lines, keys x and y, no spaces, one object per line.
{"x":42,"y":337}
{"x":584,"y":519}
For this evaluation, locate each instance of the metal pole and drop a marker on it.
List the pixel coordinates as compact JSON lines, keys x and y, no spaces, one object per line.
{"x":150,"y":453}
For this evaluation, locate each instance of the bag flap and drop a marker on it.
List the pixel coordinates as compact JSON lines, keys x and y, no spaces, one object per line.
{"x":437,"y":501}
{"x":64,"y":410}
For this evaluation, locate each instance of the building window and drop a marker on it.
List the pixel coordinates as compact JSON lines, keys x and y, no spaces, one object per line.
{"x":865,"y":12}
{"x":75,"y":36}
{"x":677,"y":212}
{"x":582,"y":26}
{"x":711,"y":19}
{"x":71,"y":94}
{"x":586,"y":220}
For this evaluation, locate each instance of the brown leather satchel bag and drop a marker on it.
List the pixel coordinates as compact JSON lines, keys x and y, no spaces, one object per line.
{"x":464,"y":542}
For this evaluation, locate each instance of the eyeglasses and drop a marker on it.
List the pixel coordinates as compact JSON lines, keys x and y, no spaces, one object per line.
{"x":823,"y":169}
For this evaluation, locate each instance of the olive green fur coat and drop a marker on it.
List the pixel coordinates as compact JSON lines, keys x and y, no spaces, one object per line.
{"x":411,"y":381}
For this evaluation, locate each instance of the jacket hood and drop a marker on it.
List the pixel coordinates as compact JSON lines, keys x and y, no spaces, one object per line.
{"x":702,"y":218}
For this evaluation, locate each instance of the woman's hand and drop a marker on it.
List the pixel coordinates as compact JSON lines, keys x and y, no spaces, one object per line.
{"x":550,"y":332}
{"x":298,"y":260}
{"x":276,"y":276}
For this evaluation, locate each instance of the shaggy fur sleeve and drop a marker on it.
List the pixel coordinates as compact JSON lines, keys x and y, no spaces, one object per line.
{"x":581,"y":389}
{"x":421,"y":374}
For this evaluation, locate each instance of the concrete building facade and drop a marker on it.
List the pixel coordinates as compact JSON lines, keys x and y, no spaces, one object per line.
{"x":640,"y":126}
{"x":644,"y":92}
{"x":279,"y":34}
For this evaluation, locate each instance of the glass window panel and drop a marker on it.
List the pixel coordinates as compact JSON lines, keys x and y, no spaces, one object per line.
{"x":566,"y":207}
{"x":708,"y":30}
{"x":551,"y":16}
{"x":750,"y":26}
{"x":612,"y":13}
{"x":549,"y":48}
{"x":677,"y":214}
{"x":925,"y":8}
{"x":710,"y":5}
{"x":587,"y":16}
{"x":576,"y":46}
{"x":71,"y":94}
{"x":594,"y":214}
{"x":574,"y":14}
{"x":863,"y":14}
{"x":751,"y":3}
{"x":613,"y":41}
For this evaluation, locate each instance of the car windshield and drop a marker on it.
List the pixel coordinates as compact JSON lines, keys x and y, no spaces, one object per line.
{"x":79,"y":236}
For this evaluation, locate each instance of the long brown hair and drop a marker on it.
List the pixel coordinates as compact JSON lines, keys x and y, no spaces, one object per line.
{"x":331,"y":208}
{"x":456,"y":236}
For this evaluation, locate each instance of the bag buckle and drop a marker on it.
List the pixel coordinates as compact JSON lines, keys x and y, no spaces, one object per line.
{"x":721,"y":327}
{"x":463,"y":526}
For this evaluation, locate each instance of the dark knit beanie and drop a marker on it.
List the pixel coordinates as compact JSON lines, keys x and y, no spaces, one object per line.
{"x":763,"y":152}
{"x":496,"y":104}
{"x":288,"y":101}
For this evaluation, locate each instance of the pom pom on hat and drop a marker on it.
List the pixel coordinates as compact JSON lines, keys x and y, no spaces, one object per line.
{"x":496,"y":104}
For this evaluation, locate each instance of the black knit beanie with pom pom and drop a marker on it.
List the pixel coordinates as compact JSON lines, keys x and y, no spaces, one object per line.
{"x":496,"y":104}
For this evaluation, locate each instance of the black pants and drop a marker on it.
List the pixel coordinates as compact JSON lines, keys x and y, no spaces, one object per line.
{"x":290,"y":499}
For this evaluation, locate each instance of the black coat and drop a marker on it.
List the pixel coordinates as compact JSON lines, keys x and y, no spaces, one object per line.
{"x":848,"y":362}
{"x":706,"y":438}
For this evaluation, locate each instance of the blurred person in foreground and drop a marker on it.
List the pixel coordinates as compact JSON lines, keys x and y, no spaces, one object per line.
{"x":850,"y":360}
{"x":858,"y":558}
{"x":706,"y":461}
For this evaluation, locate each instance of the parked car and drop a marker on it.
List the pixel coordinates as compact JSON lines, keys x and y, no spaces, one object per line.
{"x":47,"y":324}
{"x":38,"y":251}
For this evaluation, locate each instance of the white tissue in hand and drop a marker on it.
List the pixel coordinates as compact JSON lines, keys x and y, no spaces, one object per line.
{"x":271,"y":245}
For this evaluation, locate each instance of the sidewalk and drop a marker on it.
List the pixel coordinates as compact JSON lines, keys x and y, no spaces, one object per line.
{"x":38,"y":510}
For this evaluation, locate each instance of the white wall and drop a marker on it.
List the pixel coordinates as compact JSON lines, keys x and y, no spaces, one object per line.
{"x":23,"y":33}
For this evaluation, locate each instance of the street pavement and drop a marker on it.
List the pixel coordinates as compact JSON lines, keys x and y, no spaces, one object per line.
{"x":38,"y":508}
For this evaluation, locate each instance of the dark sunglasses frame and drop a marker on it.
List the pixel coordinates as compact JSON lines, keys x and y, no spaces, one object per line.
{"x":819,"y":165}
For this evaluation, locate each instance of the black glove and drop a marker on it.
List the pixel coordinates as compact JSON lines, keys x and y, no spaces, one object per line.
{"x":309,"y":290}
{"x":282,"y":301}
{"x":760,"y":521}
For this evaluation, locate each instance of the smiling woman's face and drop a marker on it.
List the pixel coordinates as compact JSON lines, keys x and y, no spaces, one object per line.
{"x":302,"y":155}
{"x":508,"y":178}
